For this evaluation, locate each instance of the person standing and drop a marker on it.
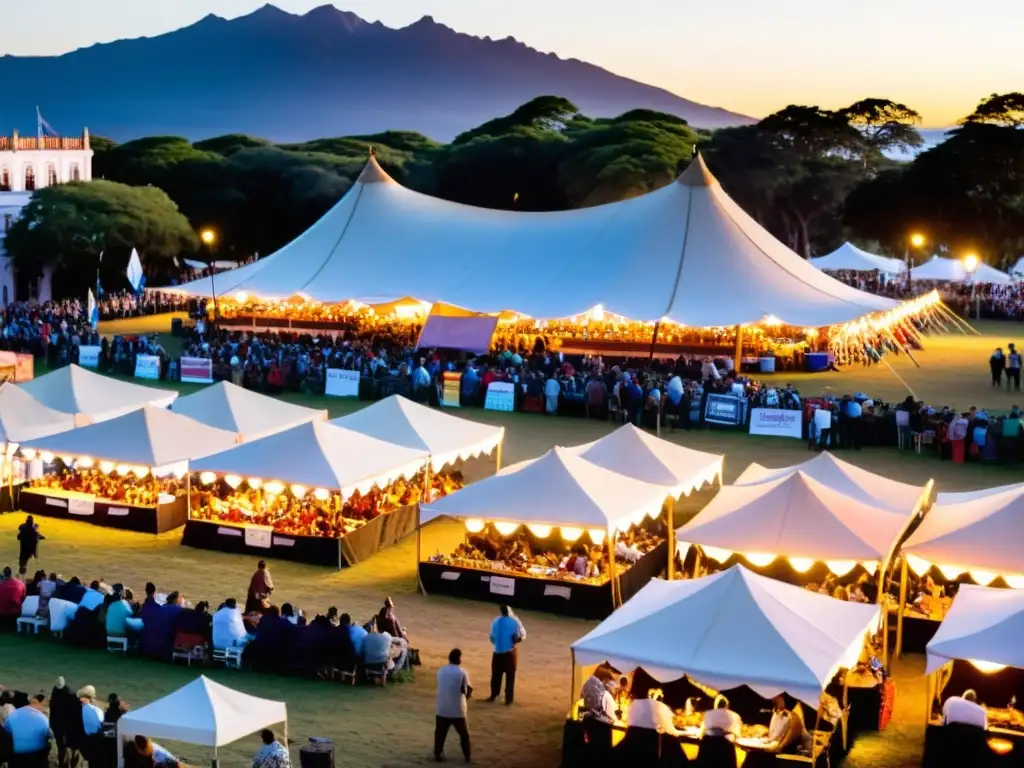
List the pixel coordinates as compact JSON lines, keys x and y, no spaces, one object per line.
{"x":28,"y":543}
{"x":453,"y":691}
{"x":506,"y":634}
{"x":1013,"y":368}
{"x":996,"y":364}
{"x":261,"y":587}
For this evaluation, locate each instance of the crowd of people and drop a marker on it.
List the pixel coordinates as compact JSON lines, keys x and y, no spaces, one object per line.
{"x":123,"y":304}
{"x":125,"y":487}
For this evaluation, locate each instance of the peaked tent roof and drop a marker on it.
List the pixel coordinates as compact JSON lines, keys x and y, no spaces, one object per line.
{"x":152,"y":437}
{"x":642,"y":456}
{"x":658,"y":253}
{"x":559,"y":488}
{"x":984,"y":624}
{"x":847,"y":479}
{"x":851,"y":258}
{"x":963,"y":496}
{"x":1018,"y":268}
{"x":795,"y":516}
{"x":953,"y":271}
{"x":249,"y":414}
{"x":730,"y":629}
{"x":319,"y":455}
{"x":203,"y":712}
{"x":447,"y":438}
{"x":22,"y":417}
{"x":91,"y":396}
{"x":982,"y":533}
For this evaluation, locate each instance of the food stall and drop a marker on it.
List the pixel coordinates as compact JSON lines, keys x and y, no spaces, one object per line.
{"x":978,"y":647}
{"x":125,"y":472}
{"x":249,"y":414}
{"x":966,"y":538}
{"x":316,"y":493}
{"x":734,"y":632}
{"x":556,"y":533}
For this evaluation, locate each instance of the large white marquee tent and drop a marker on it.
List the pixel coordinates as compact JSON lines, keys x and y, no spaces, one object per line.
{"x":945,"y":270}
{"x":983,"y":624}
{"x":674,"y":253}
{"x":91,"y":397}
{"x":849,"y":258}
{"x":22,"y":417}
{"x":249,"y":414}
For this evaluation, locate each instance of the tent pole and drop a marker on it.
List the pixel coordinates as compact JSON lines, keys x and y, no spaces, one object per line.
{"x":654,"y":338}
{"x":214,"y":763}
{"x":900,"y":606}
{"x":287,"y":746}
{"x":671,"y":537}
{"x":188,"y":491}
{"x":611,"y":566}
{"x":498,"y":459}
{"x":738,"y":359}
{"x":572,"y":682}
{"x":419,"y":544}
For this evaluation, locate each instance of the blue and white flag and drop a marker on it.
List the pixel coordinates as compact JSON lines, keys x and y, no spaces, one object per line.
{"x":135,"y":276}
{"x":94,"y":312}
{"x":43,"y":128}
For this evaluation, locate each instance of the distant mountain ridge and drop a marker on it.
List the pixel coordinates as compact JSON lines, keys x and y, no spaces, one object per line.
{"x":291,"y":77}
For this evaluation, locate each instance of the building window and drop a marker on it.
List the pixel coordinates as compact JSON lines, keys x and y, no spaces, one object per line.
{"x":30,"y":178}
{"x":76,"y":174}
{"x":5,"y":180}
{"x":51,"y":175}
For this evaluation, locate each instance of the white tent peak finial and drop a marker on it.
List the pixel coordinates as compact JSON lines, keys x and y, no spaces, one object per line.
{"x":372,"y":173}
{"x":697,"y":174}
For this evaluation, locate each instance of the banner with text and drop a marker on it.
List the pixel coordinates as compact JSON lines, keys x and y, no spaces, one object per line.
{"x":725,"y":410}
{"x":342,"y":383}
{"x":197,"y":370}
{"x":776,"y":423}
{"x":89,"y":357}
{"x":147,"y":367}
{"x":501,"y":396}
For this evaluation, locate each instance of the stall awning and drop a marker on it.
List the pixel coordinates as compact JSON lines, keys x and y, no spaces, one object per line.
{"x":984,"y":625}
{"x":22,"y":417}
{"x":730,"y":629}
{"x":247,"y":413}
{"x":91,"y":397}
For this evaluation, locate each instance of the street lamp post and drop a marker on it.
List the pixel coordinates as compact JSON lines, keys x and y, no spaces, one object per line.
{"x":971,"y":263}
{"x":209,"y":238}
{"x":916,"y":241}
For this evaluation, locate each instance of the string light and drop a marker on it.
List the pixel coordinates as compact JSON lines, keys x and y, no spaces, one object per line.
{"x":85,"y":462}
{"x":570,"y":534}
{"x":106,"y":467}
{"x":233,"y":481}
{"x":540,"y":531}
{"x":596,"y":535}
{"x":950,"y":572}
{"x":273,"y":487}
{"x":801,"y":564}
{"x":67,"y":460}
{"x":124,"y":470}
{"x":1016,"y":581}
{"x":321,"y":494}
{"x":841,"y":567}
{"x":475,"y":524}
{"x":28,"y":453}
{"x":254,"y":483}
{"x":140,"y":471}
{"x":759,"y":559}
{"x":983,"y":577}
{"x":207,"y":477}
{"x":506,"y":529}
{"x":719,"y":555}
{"x":46,"y":456}
{"x":298,"y":491}
{"x":987,"y":667}
{"x":919,"y":566}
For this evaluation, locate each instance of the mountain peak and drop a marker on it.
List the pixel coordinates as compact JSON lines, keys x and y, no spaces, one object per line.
{"x":269,"y":12}
{"x":335,"y":17}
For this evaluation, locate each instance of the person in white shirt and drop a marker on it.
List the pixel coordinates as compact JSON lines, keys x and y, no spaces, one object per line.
{"x":652,"y":713}
{"x":598,"y":701}
{"x":722,"y":721}
{"x":785,"y":728}
{"x":92,"y":715}
{"x":453,"y":690}
{"x":964,"y":710}
{"x":228,"y":627}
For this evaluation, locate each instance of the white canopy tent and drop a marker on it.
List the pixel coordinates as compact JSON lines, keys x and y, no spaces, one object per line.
{"x":659,"y":253}
{"x":848,"y":257}
{"x":847,"y":479}
{"x":22,"y":417}
{"x":1017,"y":269}
{"x":730,"y":629}
{"x":91,"y":397}
{"x":446,"y":438}
{"x":204,"y":713}
{"x":319,"y":455}
{"x":983,"y":625}
{"x":249,"y":414}
{"x":961,"y":497}
{"x":945,"y":270}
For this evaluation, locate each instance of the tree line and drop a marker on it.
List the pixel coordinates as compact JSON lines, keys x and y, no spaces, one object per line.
{"x":813,"y":177}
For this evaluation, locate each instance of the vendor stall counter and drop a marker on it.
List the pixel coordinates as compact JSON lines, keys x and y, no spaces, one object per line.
{"x":171,"y":512}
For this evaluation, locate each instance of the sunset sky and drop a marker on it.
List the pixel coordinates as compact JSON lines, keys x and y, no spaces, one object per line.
{"x":749,"y":56}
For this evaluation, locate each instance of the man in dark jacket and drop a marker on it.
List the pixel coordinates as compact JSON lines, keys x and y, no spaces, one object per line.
{"x":65,"y":720}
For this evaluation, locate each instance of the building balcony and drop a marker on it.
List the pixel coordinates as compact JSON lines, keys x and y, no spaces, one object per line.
{"x":25,"y":143}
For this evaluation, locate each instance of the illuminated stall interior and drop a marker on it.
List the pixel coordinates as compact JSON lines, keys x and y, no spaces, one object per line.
{"x":966,"y":538}
{"x":736,"y":632}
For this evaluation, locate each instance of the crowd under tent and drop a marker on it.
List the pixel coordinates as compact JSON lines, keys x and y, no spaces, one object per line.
{"x":733,"y":632}
{"x":559,"y":504}
{"x":148,"y":451}
{"x":975,"y":538}
{"x":446,"y":438}
{"x":849,"y":480}
{"x":659,"y":253}
{"x":849,"y":258}
{"x":978,"y":647}
{"x":248,"y":414}
{"x":316,"y":493}
{"x":204,"y":713}
{"x":92,"y":397}
{"x":943,"y":270}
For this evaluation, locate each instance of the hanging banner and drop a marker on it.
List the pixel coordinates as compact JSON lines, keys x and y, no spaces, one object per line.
{"x":501,"y":396}
{"x":725,"y":409}
{"x":89,"y":357}
{"x":341,"y":383}
{"x":776,"y":423}
{"x":197,"y":370}
{"x":147,"y":367}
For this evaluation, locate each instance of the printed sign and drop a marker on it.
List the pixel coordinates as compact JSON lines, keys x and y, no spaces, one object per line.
{"x":196,"y":370}
{"x":84,"y":507}
{"x":776,"y":423}
{"x":342,"y":383}
{"x":450,"y":575}
{"x":724,"y":409}
{"x":556,"y":590}
{"x":501,"y":396}
{"x":259,"y":537}
{"x":117,"y":511}
{"x":57,"y":502}
{"x":450,"y":392}
{"x":503,"y":586}
{"x":25,"y":370}
{"x":283,"y":541}
{"x":89,"y":357}
{"x":223,"y":530}
{"x":147,"y":367}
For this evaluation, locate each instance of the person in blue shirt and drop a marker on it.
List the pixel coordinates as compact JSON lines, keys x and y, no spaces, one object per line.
{"x":506,"y":634}
{"x":30,"y":733}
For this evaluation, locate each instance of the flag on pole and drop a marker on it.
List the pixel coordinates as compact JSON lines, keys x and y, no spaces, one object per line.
{"x":94,"y":312}
{"x":134,"y":273}
{"x":43,"y":128}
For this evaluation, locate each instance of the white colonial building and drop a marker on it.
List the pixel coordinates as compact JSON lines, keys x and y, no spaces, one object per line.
{"x":28,"y":164}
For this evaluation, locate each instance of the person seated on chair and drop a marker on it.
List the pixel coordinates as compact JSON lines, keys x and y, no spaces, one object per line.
{"x":786,"y":729}
{"x":228,"y":627}
{"x":118,"y":613}
{"x":722,"y":721}
{"x":158,"y":630}
{"x":653,"y":713}
{"x":964,"y":710}
{"x":356,"y":633}
{"x":598,"y":702}
{"x":267,"y":650}
{"x":92,"y":714}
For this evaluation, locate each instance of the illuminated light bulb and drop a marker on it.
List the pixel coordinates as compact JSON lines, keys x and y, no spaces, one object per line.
{"x":596,"y":535}
{"x":298,"y":491}
{"x":506,"y":529}
{"x":1016,"y":581}
{"x":140,"y":472}
{"x":801,"y":564}
{"x":67,"y":459}
{"x":233,"y":481}
{"x":540,"y":531}
{"x":983,"y":577}
{"x":720,"y":555}
{"x":241,"y":297}
{"x":918,"y":565}
{"x":987,"y":667}
{"x":321,"y":494}
{"x":106,"y":467}
{"x":841,"y":567}
{"x":254,"y":483}
{"x":571,"y":534}
{"x":207,"y":477}
{"x":759,"y":559}
{"x":950,"y":572}
{"x":124,"y":469}
{"x":85,"y":462}
{"x":46,"y":456}
{"x":474,"y":524}
{"x":869,"y":566}
{"x":273,"y":487}
{"x":28,"y":453}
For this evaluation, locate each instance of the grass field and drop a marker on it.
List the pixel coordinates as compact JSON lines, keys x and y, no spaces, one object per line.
{"x":393,"y":726}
